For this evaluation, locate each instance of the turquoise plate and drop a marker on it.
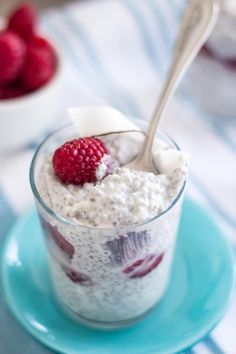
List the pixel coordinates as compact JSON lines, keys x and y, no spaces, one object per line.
{"x":197,"y":297}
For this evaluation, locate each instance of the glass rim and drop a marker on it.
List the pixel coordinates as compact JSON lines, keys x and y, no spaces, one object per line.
{"x":69,"y":221}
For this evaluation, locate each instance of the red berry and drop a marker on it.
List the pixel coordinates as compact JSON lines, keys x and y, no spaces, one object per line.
{"x":61,"y":242}
{"x":12,"y":57}
{"x":41,"y":43}
{"x":142,"y":267}
{"x":40,"y":63}
{"x":77,"y":277}
{"x":12,"y":91}
{"x":23,"y":21}
{"x":77,"y":161}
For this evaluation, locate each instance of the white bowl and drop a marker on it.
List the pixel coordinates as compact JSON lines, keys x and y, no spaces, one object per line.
{"x":24,"y":119}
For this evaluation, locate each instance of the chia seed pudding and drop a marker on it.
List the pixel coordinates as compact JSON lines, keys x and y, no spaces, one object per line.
{"x":110,"y":243}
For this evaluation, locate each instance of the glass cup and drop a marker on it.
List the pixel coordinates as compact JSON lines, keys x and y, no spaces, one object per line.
{"x":106,"y":277}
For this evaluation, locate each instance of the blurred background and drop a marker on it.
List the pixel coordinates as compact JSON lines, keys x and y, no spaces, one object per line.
{"x":7,"y":5}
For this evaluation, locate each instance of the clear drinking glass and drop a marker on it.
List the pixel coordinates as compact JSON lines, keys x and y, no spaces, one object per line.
{"x":106,"y":277}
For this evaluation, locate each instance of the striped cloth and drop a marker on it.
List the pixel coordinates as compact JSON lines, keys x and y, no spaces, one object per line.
{"x":117,"y":53}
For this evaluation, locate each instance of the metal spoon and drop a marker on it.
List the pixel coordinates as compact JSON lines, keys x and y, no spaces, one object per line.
{"x":197,"y":23}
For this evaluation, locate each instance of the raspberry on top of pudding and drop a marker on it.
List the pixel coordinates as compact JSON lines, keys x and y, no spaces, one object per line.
{"x":86,"y":181}
{"x":81,"y":161}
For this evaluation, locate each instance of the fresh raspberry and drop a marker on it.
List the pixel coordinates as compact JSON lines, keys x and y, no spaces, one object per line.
{"x":61,"y":242}
{"x":23,"y":21}
{"x":12,"y":91}
{"x":12,"y":57}
{"x":78,"y":161}
{"x":142,"y":267}
{"x":77,"y":277}
{"x":41,"y":43}
{"x":40,"y":63}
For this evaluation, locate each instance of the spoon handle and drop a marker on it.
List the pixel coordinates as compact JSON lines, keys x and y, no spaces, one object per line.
{"x":197,"y":23}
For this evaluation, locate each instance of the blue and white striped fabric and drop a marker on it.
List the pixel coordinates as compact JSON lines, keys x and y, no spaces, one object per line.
{"x":117,"y":53}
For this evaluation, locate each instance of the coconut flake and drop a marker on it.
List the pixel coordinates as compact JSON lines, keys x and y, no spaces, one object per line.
{"x":93,"y":121}
{"x":167,"y":160}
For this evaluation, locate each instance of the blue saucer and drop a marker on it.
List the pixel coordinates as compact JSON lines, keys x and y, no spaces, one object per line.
{"x":197,"y":297}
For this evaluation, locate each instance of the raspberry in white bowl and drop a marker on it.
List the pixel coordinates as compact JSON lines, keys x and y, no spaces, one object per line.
{"x":30,"y":80}
{"x":110,"y":231}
